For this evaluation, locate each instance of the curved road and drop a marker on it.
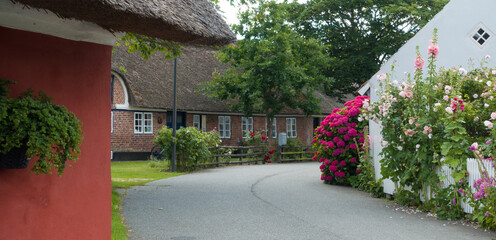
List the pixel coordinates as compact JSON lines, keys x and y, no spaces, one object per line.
{"x":274,"y":201}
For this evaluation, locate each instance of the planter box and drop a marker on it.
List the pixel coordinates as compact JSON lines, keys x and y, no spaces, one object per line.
{"x":14,"y":159}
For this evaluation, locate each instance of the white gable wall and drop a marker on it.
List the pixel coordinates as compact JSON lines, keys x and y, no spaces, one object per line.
{"x":456,"y":24}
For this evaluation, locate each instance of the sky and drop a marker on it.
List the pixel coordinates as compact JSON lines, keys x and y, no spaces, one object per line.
{"x":230,"y":12}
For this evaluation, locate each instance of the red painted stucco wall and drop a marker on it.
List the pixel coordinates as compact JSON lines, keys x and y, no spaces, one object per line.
{"x":76,"y":205}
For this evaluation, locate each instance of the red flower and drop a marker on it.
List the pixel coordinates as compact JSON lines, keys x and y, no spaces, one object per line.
{"x":264,"y":138}
{"x":252,"y":134}
{"x":267,"y":157}
{"x":271,"y":151}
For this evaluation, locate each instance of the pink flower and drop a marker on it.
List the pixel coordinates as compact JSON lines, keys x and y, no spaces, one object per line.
{"x":411,"y":121}
{"x":381,"y":77}
{"x":333,"y":168}
{"x":335,"y":162}
{"x":340,"y":174}
{"x":341,"y":144}
{"x":352,"y":132}
{"x":343,"y":163}
{"x":358,"y":170}
{"x":433,"y":49}
{"x":409,"y":132}
{"x":327,"y":162}
{"x":488,"y":124}
{"x":419,"y":62}
{"x":493,"y":115}
{"x":353,"y":160}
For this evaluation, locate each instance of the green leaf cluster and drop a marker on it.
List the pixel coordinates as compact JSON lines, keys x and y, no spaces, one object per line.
{"x":192,"y":145}
{"x":272,"y":68}
{"x":361,"y":34}
{"x":50,"y":132}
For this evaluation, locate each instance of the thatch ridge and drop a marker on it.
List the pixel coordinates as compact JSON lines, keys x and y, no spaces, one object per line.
{"x":188,"y":21}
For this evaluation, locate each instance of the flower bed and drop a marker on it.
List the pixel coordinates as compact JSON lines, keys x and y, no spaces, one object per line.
{"x":430,"y":120}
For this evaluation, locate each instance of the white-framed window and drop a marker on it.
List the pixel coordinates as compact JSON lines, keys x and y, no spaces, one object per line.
{"x":143,"y":122}
{"x":111,"y":121}
{"x":274,"y":128}
{"x":291,"y":127}
{"x":197,"y":122}
{"x":225,"y":126}
{"x":246,"y":125}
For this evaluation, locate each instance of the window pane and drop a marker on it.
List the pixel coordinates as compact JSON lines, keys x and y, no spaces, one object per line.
{"x":148,"y":123}
{"x":138,"y":122}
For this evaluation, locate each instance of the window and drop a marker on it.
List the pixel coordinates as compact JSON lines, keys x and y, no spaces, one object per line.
{"x":246,"y":125}
{"x":481,"y":35}
{"x":111,"y":122}
{"x":143,"y":122}
{"x":196,"y":122}
{"x":225,"y":126}
{"x":291,"y":127}
{"x":274,"y":127}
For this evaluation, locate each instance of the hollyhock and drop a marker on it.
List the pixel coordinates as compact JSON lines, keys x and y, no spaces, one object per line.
{"x":433,"y":49}
{"x":419,"y":62}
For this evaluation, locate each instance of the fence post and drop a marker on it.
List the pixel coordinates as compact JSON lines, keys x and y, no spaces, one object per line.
{"x":279,"y":154}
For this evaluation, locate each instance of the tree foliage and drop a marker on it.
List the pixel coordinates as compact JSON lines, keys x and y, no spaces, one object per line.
{"x":362,"y":34}
{"x":272,"y":68}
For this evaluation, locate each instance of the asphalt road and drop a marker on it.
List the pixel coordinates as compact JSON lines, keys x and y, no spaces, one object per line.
{"x":273,"y":201}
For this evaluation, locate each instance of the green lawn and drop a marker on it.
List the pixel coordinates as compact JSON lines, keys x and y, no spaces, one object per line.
{"x":126,"y":175}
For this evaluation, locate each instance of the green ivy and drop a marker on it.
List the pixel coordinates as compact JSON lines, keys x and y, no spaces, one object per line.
{"x":50,"y":132}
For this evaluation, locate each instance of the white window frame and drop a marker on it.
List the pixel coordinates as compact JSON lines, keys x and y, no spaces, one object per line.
{"x":143,"y":124}
{"x":291,"y":128}
{"x":197,"y":121}
{"x":111,"y":121}
{"x":225,"y":126}
{"x":246,"y":125}
{"x":274,"y":128}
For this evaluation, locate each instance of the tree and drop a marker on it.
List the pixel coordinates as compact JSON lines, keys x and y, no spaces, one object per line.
{"x":272,"y":68}
{"x":362,"y":34}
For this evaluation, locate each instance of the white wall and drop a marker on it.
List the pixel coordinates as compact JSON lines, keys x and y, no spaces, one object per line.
{"x":455,"y":24}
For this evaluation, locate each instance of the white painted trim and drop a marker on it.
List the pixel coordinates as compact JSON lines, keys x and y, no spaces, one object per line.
{"x":17,"y":16}
{"x":363,"y":90}
{"x":140,"y":109}
{"x":126,"y":95}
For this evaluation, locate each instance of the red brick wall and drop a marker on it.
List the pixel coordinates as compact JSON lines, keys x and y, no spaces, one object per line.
{"x":125,"y":140}
{"x":118,"y":93}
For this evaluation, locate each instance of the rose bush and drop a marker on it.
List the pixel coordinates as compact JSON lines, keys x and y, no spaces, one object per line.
{"x":336,"y":139}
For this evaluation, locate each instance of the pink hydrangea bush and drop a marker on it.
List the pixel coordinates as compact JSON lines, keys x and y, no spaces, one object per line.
{"x":336,"y":140}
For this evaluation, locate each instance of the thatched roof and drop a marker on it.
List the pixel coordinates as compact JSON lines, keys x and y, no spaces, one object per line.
{"x":194,"y":21}
{"x":150,"y":83}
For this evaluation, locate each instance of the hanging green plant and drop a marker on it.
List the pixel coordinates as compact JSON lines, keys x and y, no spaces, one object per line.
{"x":32,"y":126}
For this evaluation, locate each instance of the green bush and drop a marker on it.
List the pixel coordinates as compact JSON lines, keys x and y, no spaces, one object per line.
{"x":192,"y":146}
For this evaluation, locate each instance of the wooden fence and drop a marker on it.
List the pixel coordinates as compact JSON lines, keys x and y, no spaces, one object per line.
{"x":300,"y":153}
{"x":248,"y":154}
{"x":235,"y":155}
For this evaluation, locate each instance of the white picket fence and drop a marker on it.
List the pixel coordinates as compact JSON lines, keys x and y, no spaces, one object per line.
{"x":474,"y":174}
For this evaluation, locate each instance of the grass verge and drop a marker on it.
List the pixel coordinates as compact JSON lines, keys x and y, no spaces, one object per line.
{"x":126,"y":175}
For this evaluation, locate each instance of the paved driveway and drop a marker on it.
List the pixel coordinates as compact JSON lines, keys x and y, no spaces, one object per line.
{"x":274,"y":201}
